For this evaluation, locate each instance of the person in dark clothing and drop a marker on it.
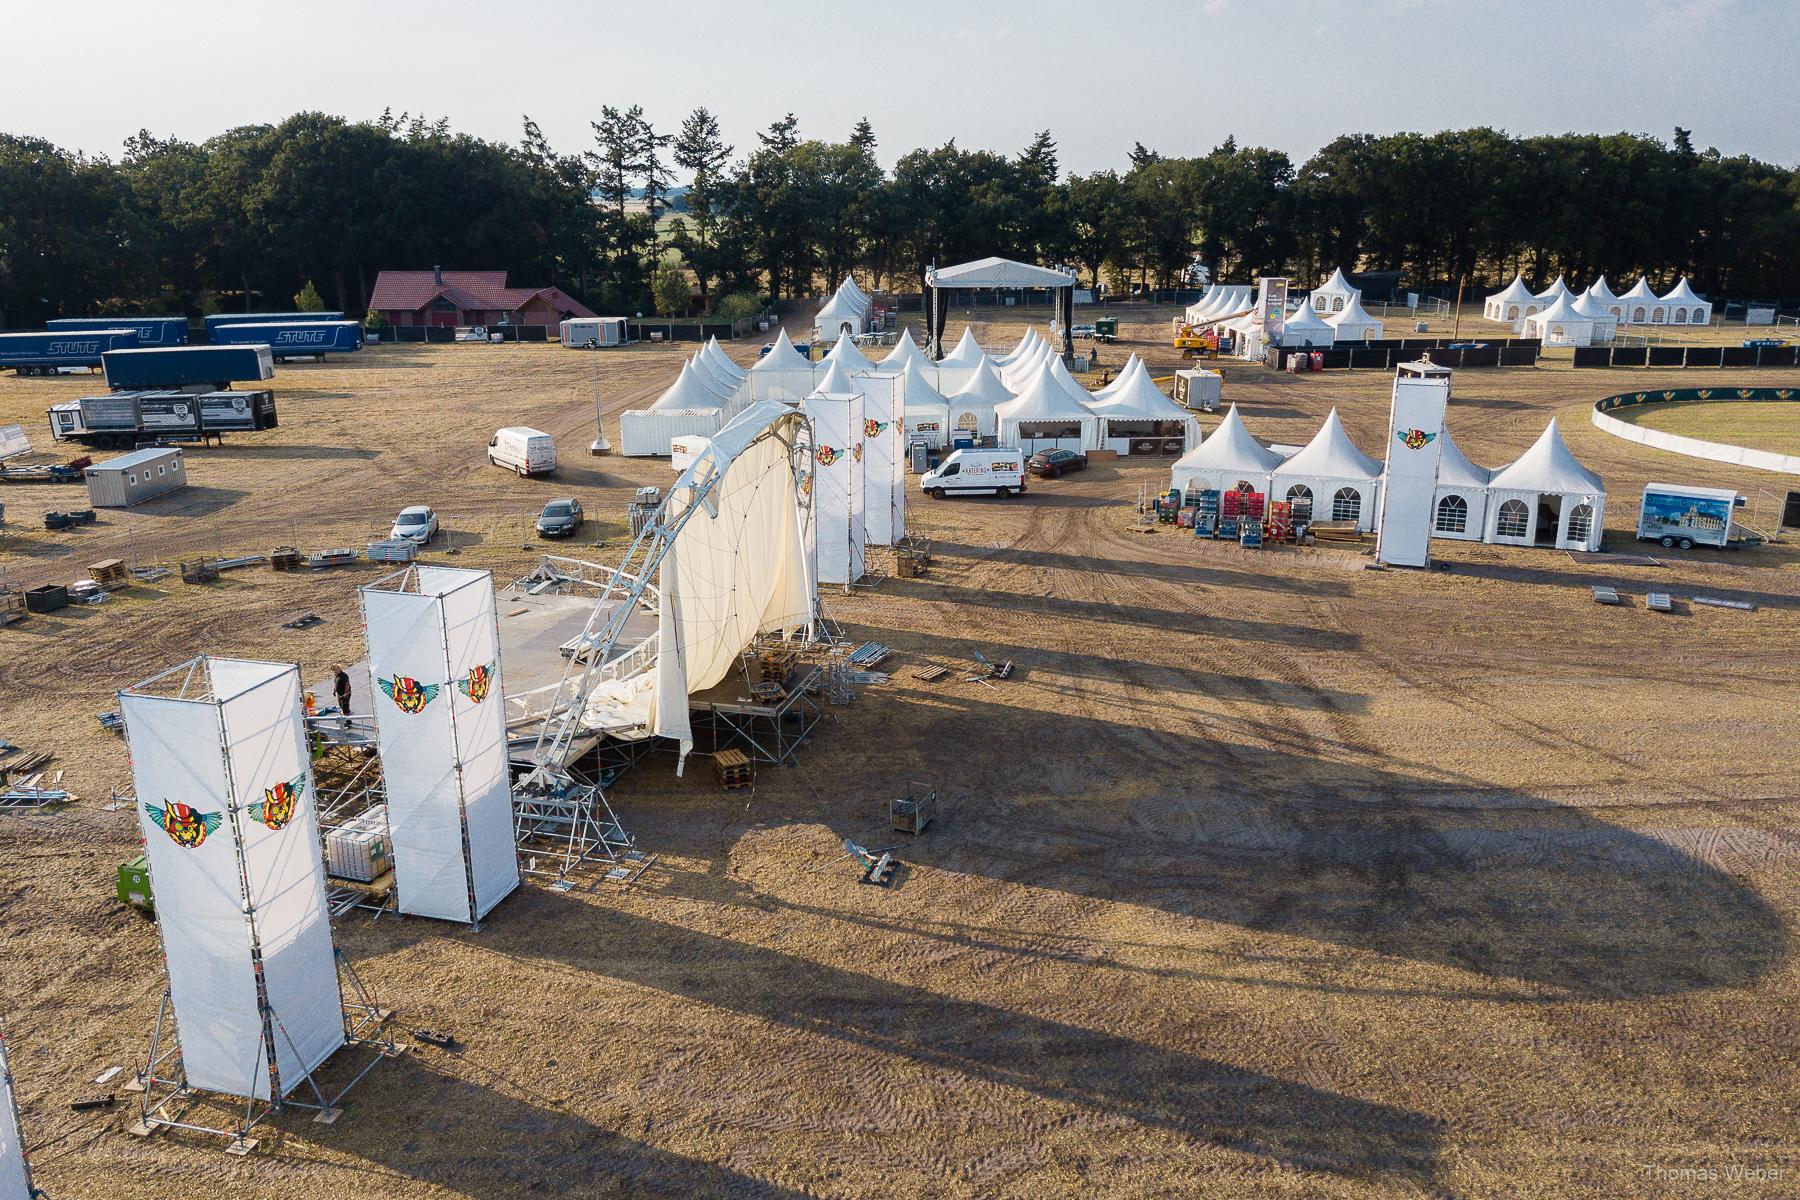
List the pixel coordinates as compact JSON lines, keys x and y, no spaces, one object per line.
{"x":340,"y":686}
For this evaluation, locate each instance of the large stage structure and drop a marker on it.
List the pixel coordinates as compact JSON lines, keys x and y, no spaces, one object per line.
{"x":998,"y":274}
{"x":255,"y":1002}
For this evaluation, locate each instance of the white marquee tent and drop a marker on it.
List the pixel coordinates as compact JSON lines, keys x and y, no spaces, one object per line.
{"x":1684,"y":307}
{"x":1546,"y":497}
{"x":1605,"y":324}
{"x":907,"y":351}
{"x":1461,"y":497}
{"x":1642,"y":306}
{"x":1046,"y":417}
{"x":973,"y":406}
{"x":846,"y":354}
{"x":1354,"y":324}
{"x":782,"y":374}
{"x":1602,"y":294}
{"x":1335,"y":295}
{"x":1134,"y":407}
{"x":1330,"y":478}
{"x":1197,"y":310}
{"x":1561,"y":325}
{"x":958,"y":367}
{"x":846,"y":312}
{"x":926,"y":412}
{"x":1305,"y":327}
{"x":1227,"y":458}
{"x":1550,"y":295}
{"x":1511,"y":303}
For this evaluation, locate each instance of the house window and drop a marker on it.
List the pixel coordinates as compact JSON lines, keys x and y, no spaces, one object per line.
{"x":1453,"y":515}
{"x":1514,"y":520}
{"x":968,"y":422}
{"x":1581,"y":522}
{"x":1346,"y":505}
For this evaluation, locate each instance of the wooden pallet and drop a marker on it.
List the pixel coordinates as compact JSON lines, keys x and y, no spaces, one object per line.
{"x":109,"y":573}
{"x":284,"y":558}
{"x":930,"y":672}
{"x":733,"y":769}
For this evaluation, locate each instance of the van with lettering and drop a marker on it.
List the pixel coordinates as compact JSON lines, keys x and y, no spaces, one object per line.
{"x":999,"y":472}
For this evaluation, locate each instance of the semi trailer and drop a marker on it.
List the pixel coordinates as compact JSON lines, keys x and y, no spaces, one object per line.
{"x":294,"y":339}
{"x":151,"y":331}
{"x":217,"y":320}
{"x":207,"y":368}
{"x":122,"y":420}
{"x":49,"y":351}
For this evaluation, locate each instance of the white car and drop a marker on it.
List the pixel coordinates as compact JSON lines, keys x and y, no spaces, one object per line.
{"x":417,"y":524}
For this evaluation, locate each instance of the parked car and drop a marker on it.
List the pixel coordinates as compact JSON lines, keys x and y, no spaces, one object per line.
{"x":1052,"y":463}
{"x":417,"y":524}
{"x":560,"y":518}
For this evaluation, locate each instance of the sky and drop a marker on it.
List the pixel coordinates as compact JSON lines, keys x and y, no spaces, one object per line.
{"x":1179,"y":77}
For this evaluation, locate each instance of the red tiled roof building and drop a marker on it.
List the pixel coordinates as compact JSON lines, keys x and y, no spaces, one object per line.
{"x":445,"y":298}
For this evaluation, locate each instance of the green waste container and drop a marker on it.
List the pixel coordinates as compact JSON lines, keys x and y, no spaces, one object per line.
{"x":134,"y":884}
{"x":1107,"y":327}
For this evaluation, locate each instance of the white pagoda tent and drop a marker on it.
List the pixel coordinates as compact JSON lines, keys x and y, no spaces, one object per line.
{"x":973,"y":406}
{"x":925,"y":411}
{"x":1546,"y":497}
{"x":1133,"y":407}
{"x":1018,"y":369}
{"x":1602,"y":294}
{"x":1605,"y":324}
{"x":1462,"y":490}
{"x":1334,"y":295}
{"x":958,"y":367}
{"x":1046,"y":417}
{"x":1029,"y":345}
{"x":905,"y":351}
{"x":715,"y":354}
{"x":1550,"y":295}
{"x":1330,"y":477}
{"x":1510,"y":303}
{"x":1561,"y":325}
{"x":1304,"y":327}
{"x":1228,"y":458}
{"x":1131,"y":360}
{"x":1684,"y":307}
{"x":1197,"y":310}
{"x":1642,"y":306}
{"x":853,"y":360}
{"x":845,"y":313}
{"x":1354,"y":324}
{"x":782,"y":374}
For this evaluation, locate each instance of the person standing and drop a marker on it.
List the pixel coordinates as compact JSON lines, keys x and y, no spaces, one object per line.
{"x":340,"y":686}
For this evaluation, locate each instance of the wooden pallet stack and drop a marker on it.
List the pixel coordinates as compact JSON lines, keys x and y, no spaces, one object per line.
{"x":733,"y":769}
{"x":1343,"y":533}
{"x":284,"y":558}
{"x":203,"y":570}
{"x":110,"y":574}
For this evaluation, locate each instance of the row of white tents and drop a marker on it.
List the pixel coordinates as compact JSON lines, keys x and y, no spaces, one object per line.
{"x":1593,"y":315}
{"x":1544,"y":496}
{"x":1026,"y":399}
{"x":1332,"y":315}
{"x":846,"y":312}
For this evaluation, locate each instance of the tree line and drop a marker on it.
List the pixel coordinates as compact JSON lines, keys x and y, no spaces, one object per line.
{"x":670,"y":219}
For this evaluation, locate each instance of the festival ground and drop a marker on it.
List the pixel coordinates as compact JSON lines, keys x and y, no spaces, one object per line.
{"x":1266,"y":873}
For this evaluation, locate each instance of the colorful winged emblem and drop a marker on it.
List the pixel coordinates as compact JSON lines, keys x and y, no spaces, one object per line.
{"x":276,"y":808}
{"x":1415,"y":439}
{"x":185,"y":825}
{"x":478,"y":682}
{"x":408,"y":694}
{"x":875,"y":428}
{"x":827,"y":455}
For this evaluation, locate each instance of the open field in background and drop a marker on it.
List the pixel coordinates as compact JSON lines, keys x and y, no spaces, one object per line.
{"x":1772,"y":425}
{"x":1267,"y":875}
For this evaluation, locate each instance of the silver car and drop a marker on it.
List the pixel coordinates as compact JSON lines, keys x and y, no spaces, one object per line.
{"x":417,"y":524}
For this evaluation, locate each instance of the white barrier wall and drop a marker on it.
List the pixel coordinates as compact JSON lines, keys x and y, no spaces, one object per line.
{"x":1409,"y":485}
{"x":225,"y":799}
{"x":15,"y":1172}
{"x":884,"y":456}
{"x":1761,"y":460}
{"x":838,"y":507}
{"x":439,"y":719}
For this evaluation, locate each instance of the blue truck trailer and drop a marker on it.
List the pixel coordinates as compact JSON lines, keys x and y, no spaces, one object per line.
{"x":294,"y":339}
{"x":216,"y":320}
{"x":205,"y":367}
{"x":151,"y":331}
{"x":46,"y":352}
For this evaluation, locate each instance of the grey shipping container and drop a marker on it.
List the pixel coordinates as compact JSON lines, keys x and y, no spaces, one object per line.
{"x":133,"y":478}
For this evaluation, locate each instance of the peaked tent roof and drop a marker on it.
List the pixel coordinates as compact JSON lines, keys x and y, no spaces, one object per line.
{"x":985,"y":388}
{"x":905,"y":351}
{"x":720,"y":385}
{"x":1305,"y":320}
{"x":1060,"y":372}
{"x":1029,"y":342}
{"x":1354,"y":316}
{"x":1547,"y":467}
{"x":1132,"y":360}
{"x":997,"y":273}
{"x":1017,"y":371}
{"x":781,"y":357}
{"x":845,"y":352}
{"x":716,"y":355}
{"x":1641,"y":290}
{"x":1556,"y":291}
{"x":1338,"y":285}
{"x":834,"y":380}
{"x":1562,"y":310}
{"x":1135,"y":397}
{"x":1331,"y":455}
{"x":1231,"y":448}
{"x":1586,"y":305}
{"x":967,"y":353}
{"x":1681,"y":293}
{"x":1514,"y":293}
{"x":1602,"y":294}
{"x":916,"y":388}
{"x":1454,"y":467}
{"x":688,"y":392}
{"x":1044,"y":399}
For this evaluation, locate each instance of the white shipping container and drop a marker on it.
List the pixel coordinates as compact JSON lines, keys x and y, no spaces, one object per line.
{"x":358,"y":849}
{"x":648,"y":432}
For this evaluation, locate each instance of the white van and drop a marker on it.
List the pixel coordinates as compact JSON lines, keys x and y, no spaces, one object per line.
{"x":1001,"y":472}
{"x":527,"y":451}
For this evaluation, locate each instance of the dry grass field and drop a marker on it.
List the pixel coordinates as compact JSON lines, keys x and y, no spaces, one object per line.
{"x":1266,"y":875}
{"x":1771,"y":425}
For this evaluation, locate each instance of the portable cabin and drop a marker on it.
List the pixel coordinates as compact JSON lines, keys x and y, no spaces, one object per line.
{"x":136,"y":477}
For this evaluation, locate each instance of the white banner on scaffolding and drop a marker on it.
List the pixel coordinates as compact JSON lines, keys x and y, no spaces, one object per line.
{"x":225,"y":798}
{"x":15,"y":1176}
{"x":884,"y":456}
{"x":478,"y":709}
{"x":427,"y":680}
{"x":837,"y":500}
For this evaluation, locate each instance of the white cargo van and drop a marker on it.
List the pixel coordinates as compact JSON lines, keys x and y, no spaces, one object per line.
{"x":527,"y":451}
{"x":1001,"y":472}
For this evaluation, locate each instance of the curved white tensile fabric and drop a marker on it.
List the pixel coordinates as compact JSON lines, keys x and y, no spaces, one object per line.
{"x":235,"y":760}
{"x":15,"y":1173}
{"x":738,"y":567}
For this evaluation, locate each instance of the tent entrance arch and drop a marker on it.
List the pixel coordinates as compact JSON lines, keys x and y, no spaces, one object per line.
{"x":1001,"y":274}
{"x":1549,"y":518}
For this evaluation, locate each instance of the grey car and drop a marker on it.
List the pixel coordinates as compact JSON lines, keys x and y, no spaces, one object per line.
{"x":560,"y":518}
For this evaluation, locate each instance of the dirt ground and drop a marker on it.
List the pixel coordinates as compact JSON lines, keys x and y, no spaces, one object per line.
{"x":1266,"y":874}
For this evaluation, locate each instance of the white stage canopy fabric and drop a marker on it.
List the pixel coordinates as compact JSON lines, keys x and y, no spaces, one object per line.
{"x":997,"y":273}
{"x":738,"y":567}
{"x":15,"y":1172}
{"x":225,"y":800}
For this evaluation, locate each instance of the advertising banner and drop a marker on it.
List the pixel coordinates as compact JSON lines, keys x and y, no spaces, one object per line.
{"x":838,"y":490}
{"x":1272,"y":308}
{"x":1409,"y":485}
{"x":884,"y":456}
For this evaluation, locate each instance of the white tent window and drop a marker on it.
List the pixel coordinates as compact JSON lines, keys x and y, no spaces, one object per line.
{"x":1581,"y":522}
{"x":1656,"y":316}
{"x":1346,"y":505}
{"x":1514,"y":519}
{"x":1300,"y":496}
{"x":1512,"y":314}
{"x":1337,"y":304}
{"x":1678,"y":317}
{"x":1637,"y":314}
{"x":1452,"y":515}
{"x":969,"y":423}
{"x":1530,"y":310}
{"x":1618,"y":314}
{"x":1242,"y":485}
